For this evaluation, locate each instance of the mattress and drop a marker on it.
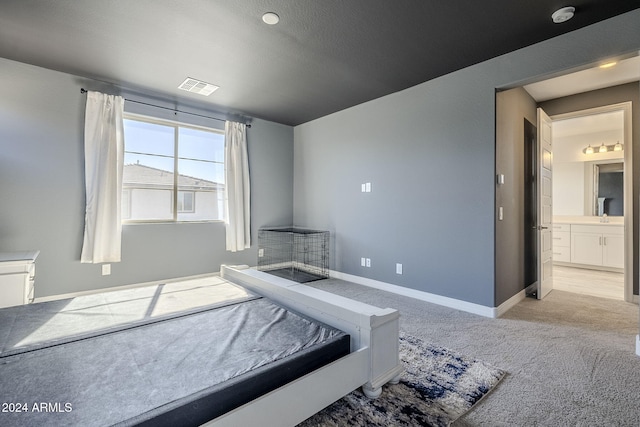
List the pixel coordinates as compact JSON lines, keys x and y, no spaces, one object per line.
{"x":182,"y":369}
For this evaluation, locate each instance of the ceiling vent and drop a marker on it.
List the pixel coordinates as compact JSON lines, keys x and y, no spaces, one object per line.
{"x":198,"y":86}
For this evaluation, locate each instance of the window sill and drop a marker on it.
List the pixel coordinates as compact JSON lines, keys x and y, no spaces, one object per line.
{"x":213,"y":221}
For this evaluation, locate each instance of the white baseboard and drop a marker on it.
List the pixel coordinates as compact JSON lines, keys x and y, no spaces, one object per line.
{"x":469,"y":307}
{"x":510,"y":303}
{"x":120,"y":288}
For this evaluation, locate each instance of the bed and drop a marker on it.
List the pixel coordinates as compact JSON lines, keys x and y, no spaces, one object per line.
{"x":308,"y":349}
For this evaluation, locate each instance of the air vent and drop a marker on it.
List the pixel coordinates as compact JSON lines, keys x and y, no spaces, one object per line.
{"x":198,"y":86}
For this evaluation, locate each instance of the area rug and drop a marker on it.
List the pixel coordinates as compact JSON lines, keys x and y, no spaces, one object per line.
{"x":438,"y":387}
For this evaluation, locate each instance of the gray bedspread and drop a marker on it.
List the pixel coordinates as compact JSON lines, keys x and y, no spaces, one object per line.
{"x":116,"y":375}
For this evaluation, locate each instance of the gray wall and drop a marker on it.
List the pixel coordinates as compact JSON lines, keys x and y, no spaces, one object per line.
{"x":429,"y":152}
{"x":42,"y":191}
{"x":599,"y":98}
{"x":512,"y":108}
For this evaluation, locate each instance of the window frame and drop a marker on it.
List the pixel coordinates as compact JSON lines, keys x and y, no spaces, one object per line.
{"x":181,"y":201}
{"x":174,"y":195}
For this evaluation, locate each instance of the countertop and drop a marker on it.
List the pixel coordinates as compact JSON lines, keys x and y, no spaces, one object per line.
{"x":589,"y":220}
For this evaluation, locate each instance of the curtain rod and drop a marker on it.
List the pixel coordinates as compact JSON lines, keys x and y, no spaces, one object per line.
{"x":83,"y":91}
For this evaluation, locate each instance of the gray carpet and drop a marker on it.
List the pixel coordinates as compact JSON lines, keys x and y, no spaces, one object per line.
{"x":571,"y":359}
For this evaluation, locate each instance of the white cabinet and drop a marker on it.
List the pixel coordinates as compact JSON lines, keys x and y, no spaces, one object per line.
{"x":17,"y":277}
{"x":599,"y":245}
{"x":613,"y":250}
{"x":561,"y":242}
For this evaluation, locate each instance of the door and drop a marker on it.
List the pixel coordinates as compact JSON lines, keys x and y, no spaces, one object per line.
{"x":544,"y":227}
{"x":613,"y":250}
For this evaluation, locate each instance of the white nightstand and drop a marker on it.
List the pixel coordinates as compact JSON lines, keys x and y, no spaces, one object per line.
{"x":17,"y":277}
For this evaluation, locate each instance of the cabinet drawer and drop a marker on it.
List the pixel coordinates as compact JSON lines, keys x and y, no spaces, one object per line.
{"x":12,"y":289}
{"x":561,"y":228}
{"x":561,"y":238}
{"x":562,"y":254}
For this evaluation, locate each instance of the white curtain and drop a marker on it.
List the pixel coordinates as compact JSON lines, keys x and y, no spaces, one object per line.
{"x":237,"y":188}
{"x":104,"y":158}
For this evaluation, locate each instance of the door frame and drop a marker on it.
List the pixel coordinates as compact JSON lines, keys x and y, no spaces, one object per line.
{"x":625,"y":107}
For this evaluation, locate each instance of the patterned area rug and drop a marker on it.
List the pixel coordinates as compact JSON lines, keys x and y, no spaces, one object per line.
{"x":437,"y":388}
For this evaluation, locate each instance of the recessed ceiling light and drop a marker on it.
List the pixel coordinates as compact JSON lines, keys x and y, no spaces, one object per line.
{"x":563,"y":14}
{"x":270,"y":18}
{"x":198,"y":86}
{"x":608,"y":64}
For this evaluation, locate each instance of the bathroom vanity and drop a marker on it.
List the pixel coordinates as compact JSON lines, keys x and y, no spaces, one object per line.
{"x":587,"y":242}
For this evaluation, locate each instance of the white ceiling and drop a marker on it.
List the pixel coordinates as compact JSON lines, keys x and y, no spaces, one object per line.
{"x":625,"y":71}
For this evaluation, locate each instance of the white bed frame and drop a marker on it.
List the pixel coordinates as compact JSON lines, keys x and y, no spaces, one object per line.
{"x":373,"y":361}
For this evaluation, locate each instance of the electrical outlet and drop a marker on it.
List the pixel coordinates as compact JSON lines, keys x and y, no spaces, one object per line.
{"x":260,"y":252}
{"x":398,"y":268}
{"x":367,"y":187}
{"x":368,"y":262}
{"x":364,"y":188}
{"x":106,"y":269}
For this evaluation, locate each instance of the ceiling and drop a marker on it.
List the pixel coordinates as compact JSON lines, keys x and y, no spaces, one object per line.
{"x":620,"y":72}
{"x":323,"y":56}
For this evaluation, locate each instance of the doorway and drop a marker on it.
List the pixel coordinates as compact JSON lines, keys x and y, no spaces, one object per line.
{"x":593,"y":208}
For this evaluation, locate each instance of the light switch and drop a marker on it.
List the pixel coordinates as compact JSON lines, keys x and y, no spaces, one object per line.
{"x":398,"y":268}
{"x":500,"y":213}
{"x":501,"y":178}
{"x":368,"y":187}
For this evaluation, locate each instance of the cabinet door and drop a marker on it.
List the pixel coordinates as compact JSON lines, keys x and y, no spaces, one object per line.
{"x":613,"y":250}
{"x":586,"y":248}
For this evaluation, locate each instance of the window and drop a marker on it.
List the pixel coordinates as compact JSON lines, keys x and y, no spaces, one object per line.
{"x":172,"y":171}
{"x":185,"y":201}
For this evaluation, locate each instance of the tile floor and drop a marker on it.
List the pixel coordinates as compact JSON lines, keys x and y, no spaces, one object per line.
{"x":603,"y":284}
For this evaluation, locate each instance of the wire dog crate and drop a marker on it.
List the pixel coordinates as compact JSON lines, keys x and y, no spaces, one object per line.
{"x":293,"y":253}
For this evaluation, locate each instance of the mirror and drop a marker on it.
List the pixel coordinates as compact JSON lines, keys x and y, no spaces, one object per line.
{"x":608,"y":194}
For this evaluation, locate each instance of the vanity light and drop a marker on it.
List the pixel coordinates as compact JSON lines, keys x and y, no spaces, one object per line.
{"x":603,"y":148}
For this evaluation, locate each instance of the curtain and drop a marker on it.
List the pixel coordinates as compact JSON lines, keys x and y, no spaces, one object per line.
{"x":104,"y":158}
{"x":237,"y":188}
